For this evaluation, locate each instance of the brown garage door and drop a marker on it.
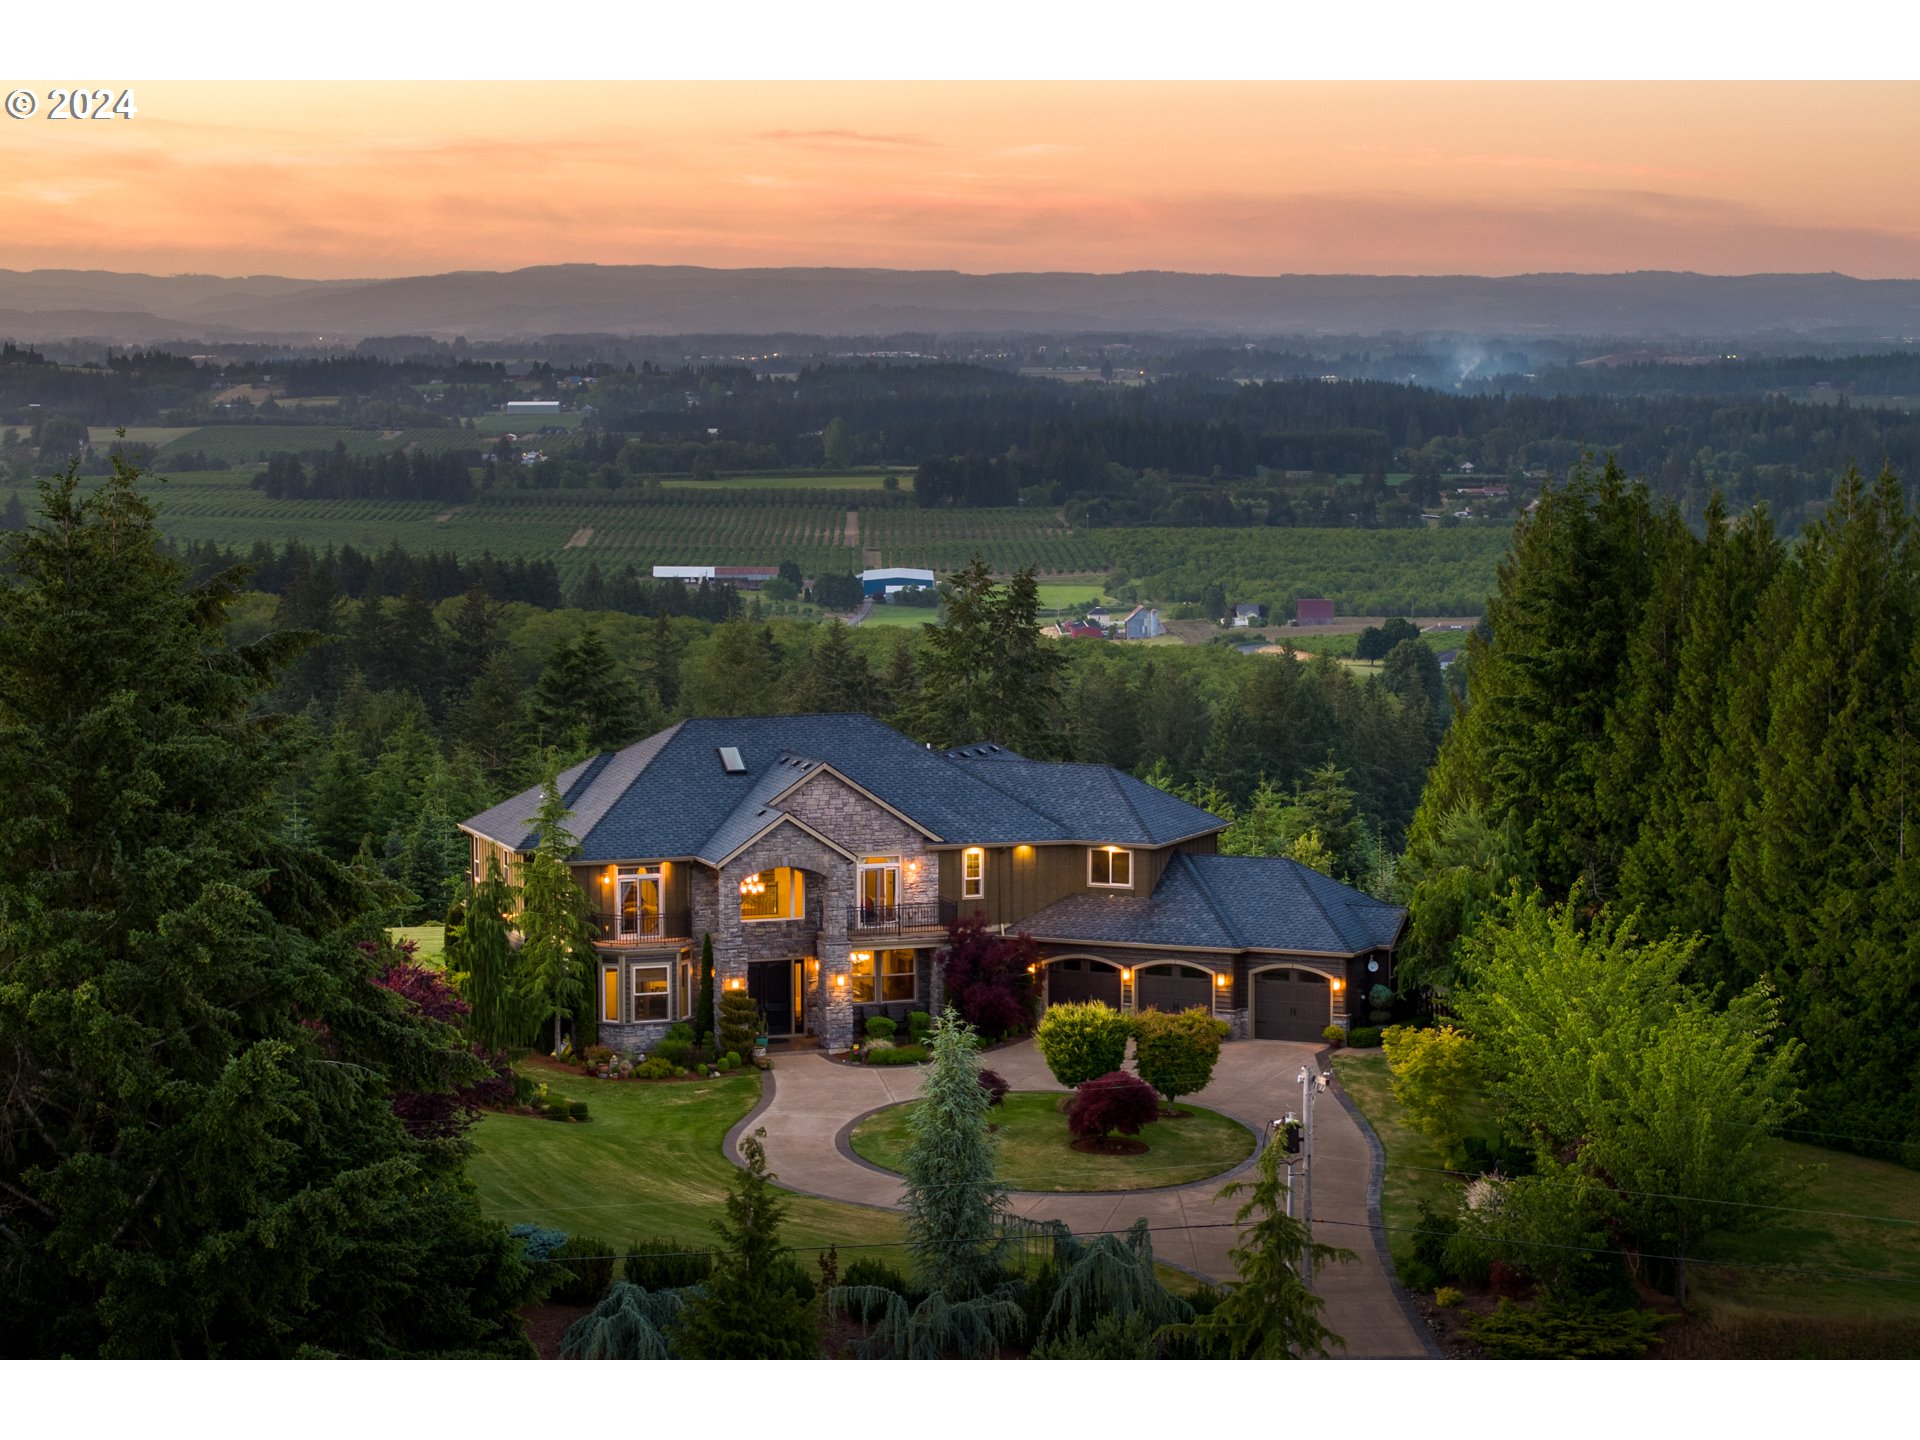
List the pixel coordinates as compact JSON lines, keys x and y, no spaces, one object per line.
{"x":1172,"y":987}
{"x":1290,"y":1005}
{"x":1083,"y":980}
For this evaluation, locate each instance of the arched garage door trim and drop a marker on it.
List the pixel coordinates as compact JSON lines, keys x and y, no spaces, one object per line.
{"x":1299,"y":1001}
{"x":1083,"y":977}
{"x":1159,"y":985}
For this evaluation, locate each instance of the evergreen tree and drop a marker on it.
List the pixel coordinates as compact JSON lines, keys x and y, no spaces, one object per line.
{"x":584,"y":700}
{"x":750,"y":1306}
{"x":1270,"y":1314}
{"x":201,"y":1155}
{"x":986,"y":672}
{"x":834,"y":677}
{"x":490,"y":721}
{"x":954,"y":1204}
{"x":480,"y":947}
{"x":662,"y":668}
{"x":555,"y":916}
{"x":336,"y":808}
{"x":703,"y":1020}
{"x":734,"y":671}
{"x":1327,"y":807}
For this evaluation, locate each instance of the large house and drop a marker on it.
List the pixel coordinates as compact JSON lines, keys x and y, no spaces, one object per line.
{"x":826,"y":855}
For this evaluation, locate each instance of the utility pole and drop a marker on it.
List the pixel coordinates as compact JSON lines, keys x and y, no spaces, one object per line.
{"x":1310,"y":1082}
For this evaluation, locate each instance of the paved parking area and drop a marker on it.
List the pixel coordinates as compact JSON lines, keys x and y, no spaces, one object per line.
{"x":813,"y":1099}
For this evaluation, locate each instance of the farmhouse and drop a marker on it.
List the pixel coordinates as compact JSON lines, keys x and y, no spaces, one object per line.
{"x":1245,"y":615}
{"x":1142,"y":623}
{"x":826,"y":856}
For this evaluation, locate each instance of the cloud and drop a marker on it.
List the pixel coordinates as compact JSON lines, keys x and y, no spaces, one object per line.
{"x":842,"y":137}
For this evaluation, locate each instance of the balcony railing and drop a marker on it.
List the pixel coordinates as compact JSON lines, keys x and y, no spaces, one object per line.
{"x":899,"y":919}
{"x":613,"y":928}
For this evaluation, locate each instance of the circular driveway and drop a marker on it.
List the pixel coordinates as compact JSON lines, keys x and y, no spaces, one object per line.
{"x":811,"y":1100}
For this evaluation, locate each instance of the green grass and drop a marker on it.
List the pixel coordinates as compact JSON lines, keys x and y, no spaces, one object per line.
{"x":903,"y":616}
{"x":648,"y":1163}
{"x":1842,"y":1257}
{"x":154,"y":435}
{"x":431,"y":940}
{"x":1035,"y":1150}
{"x":499,"y":423}
{"x":1071,"y":595}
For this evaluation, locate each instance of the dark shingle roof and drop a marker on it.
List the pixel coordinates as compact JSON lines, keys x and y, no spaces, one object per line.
{"x":1229,"y":902}
{"x":669,"y":795}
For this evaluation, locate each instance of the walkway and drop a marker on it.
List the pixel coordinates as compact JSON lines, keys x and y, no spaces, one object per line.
{"x":814,"y":1099}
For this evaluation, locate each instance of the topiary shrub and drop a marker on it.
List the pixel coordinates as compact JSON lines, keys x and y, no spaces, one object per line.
{"x":897,"y":1055}
{"x":739,"y":1021}
{"x":995,"y":1085}
{"x":655,"y":1264}
{"x":1081,"y":1041}
{"x":1112,"y":1102}
{"x":733,"y":1059}
{"x":1380,"y":997}
{"x":1175,"y":1054}
{"x":879,"y":1027}
{"x":582,"y":1271}
{"x":919,"y":1026}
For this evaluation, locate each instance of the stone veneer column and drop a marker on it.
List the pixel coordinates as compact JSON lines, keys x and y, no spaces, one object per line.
{"x":836,"y":967}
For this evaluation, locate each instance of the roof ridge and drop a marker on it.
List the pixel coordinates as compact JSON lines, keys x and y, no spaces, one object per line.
{"x":1227,"y":928}
{"x":1113,"y":779}
{"x":1313,"y":895}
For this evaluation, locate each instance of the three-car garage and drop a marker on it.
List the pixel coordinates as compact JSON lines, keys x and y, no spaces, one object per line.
{"x":1287,"y":1002}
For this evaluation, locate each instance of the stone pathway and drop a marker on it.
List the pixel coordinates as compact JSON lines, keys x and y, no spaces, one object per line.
{"x":813,"y":1100}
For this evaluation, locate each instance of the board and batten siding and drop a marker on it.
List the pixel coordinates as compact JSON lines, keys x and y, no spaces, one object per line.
{"x":1021,"y":879}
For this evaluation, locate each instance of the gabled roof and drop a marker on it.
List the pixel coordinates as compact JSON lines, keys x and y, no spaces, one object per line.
{"x":1229,"y":902}
{"x":1094,"y":803}
{"x":669,"y":796}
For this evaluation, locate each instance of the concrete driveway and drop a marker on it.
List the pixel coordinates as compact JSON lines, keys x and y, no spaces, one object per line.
{"x":810,"y":1100}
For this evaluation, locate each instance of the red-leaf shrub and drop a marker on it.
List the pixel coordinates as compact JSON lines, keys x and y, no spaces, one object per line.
{"x":1116,"y":1101}
{"x":995,"y":1085}
{"x":987,"y":978}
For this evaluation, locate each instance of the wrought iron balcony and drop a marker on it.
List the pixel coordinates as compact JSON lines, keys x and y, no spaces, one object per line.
{"x":900,"y":919}
{"x":665,"y":927}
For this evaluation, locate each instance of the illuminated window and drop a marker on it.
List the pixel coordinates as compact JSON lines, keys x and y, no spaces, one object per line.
{"x":892,"y":972}
{"x":879,"y":888}
{"x":773,"y":895}
{"x":973,"y":874}
{"x":1111,"y":867}
{"x":610,"y":993}
{"x":639,"y":899}
{"x":651,"y":992}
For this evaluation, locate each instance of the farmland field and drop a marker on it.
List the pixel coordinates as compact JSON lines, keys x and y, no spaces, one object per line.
{"x":239,"y":444}
{"x":864,"y":480}
{"x":154,"y":435}
{"x":1009,"y":539}
{"x":499,"y":424}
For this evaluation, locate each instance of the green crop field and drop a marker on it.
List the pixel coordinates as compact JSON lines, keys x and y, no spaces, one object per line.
{"x":154,"y":435}
{"x":1008,"y":539}
{"x":502,"y":424}
{"x":861,"y":481}
{"x":238,"y":444}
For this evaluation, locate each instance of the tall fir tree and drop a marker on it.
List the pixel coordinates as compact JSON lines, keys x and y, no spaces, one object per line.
{"x":555,"y":914}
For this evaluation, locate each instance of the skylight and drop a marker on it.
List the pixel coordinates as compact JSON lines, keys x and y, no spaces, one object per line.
{"x":730,"y":760}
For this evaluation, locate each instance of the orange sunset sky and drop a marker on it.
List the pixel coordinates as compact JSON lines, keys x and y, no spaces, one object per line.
{"x":327,"y":179}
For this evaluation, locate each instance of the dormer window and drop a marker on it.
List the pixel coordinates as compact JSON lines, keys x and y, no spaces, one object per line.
{"x":1111,"y":867}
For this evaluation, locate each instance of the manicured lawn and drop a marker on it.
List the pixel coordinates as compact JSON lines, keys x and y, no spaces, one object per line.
{"x":431,"y":940}
{"x":1831,"y":1250}
{"x":648,"y":1163}
{"x":1036,"y":1151}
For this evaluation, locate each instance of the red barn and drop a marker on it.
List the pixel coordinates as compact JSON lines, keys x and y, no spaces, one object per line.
{"x":1313,"y":612}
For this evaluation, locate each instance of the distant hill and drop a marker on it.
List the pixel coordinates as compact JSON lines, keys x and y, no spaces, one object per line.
{"x":681,"y":299}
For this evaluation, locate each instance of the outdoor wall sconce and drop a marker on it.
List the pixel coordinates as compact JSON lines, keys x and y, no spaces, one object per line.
{"x":1033,"y":969}
{"x":840,"y":982}
{"x":1338,"y":984}
{"x":1221,"y":981}
{"x":1126,"y":974}
{"x":736,"y":984}
{"x":607,"y":879}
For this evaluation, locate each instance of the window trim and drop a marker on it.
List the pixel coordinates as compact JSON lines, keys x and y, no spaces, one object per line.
{"x":1110,"y":883}
{"x":872,"y":864}
{"x":610,"y":972}
{"x":867,"y":965}
{"x":634,"y":877}
{"x":634,"y":972}
{"x":973,"y":886}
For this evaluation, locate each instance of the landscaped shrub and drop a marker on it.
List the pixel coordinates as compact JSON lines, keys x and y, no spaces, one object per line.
{"x":537,"y":1242}
{"x":1565,"y":1332}
{"x":1446,"y":1297}
{"x":1334,"y":1036}
{"x":1175,"y":1054}
{"x":596,"y":1055}
{"x":1380,"y":997}
{"x":919,"y":1026}
{"x":1364,"y":1037}
{"x":877,"y":1273}
{"x":897,"y":1055}
{"x":1081,"y":1041}
{"x":653,"y":1070}
{"x":733,"y":1059}
{"x":739,"y":1021}
{"x":1432,"y":1072}
{"x":995,"y":1085}
{"x":628,"y":1324}
{"x":679,"y":1030}
{"x":583,"y":1268}
{"x":526,"y":1089}
{"x":576,"y":1110}
{"x":988,"y":979}
{"x":879,"y":1027}
{"x":1112,"y":1102}
{"x":674,"y":1052}
{"x":655,"y":1264}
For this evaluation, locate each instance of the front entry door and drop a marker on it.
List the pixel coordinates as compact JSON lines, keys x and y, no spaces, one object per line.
{"x":770,"y":984}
